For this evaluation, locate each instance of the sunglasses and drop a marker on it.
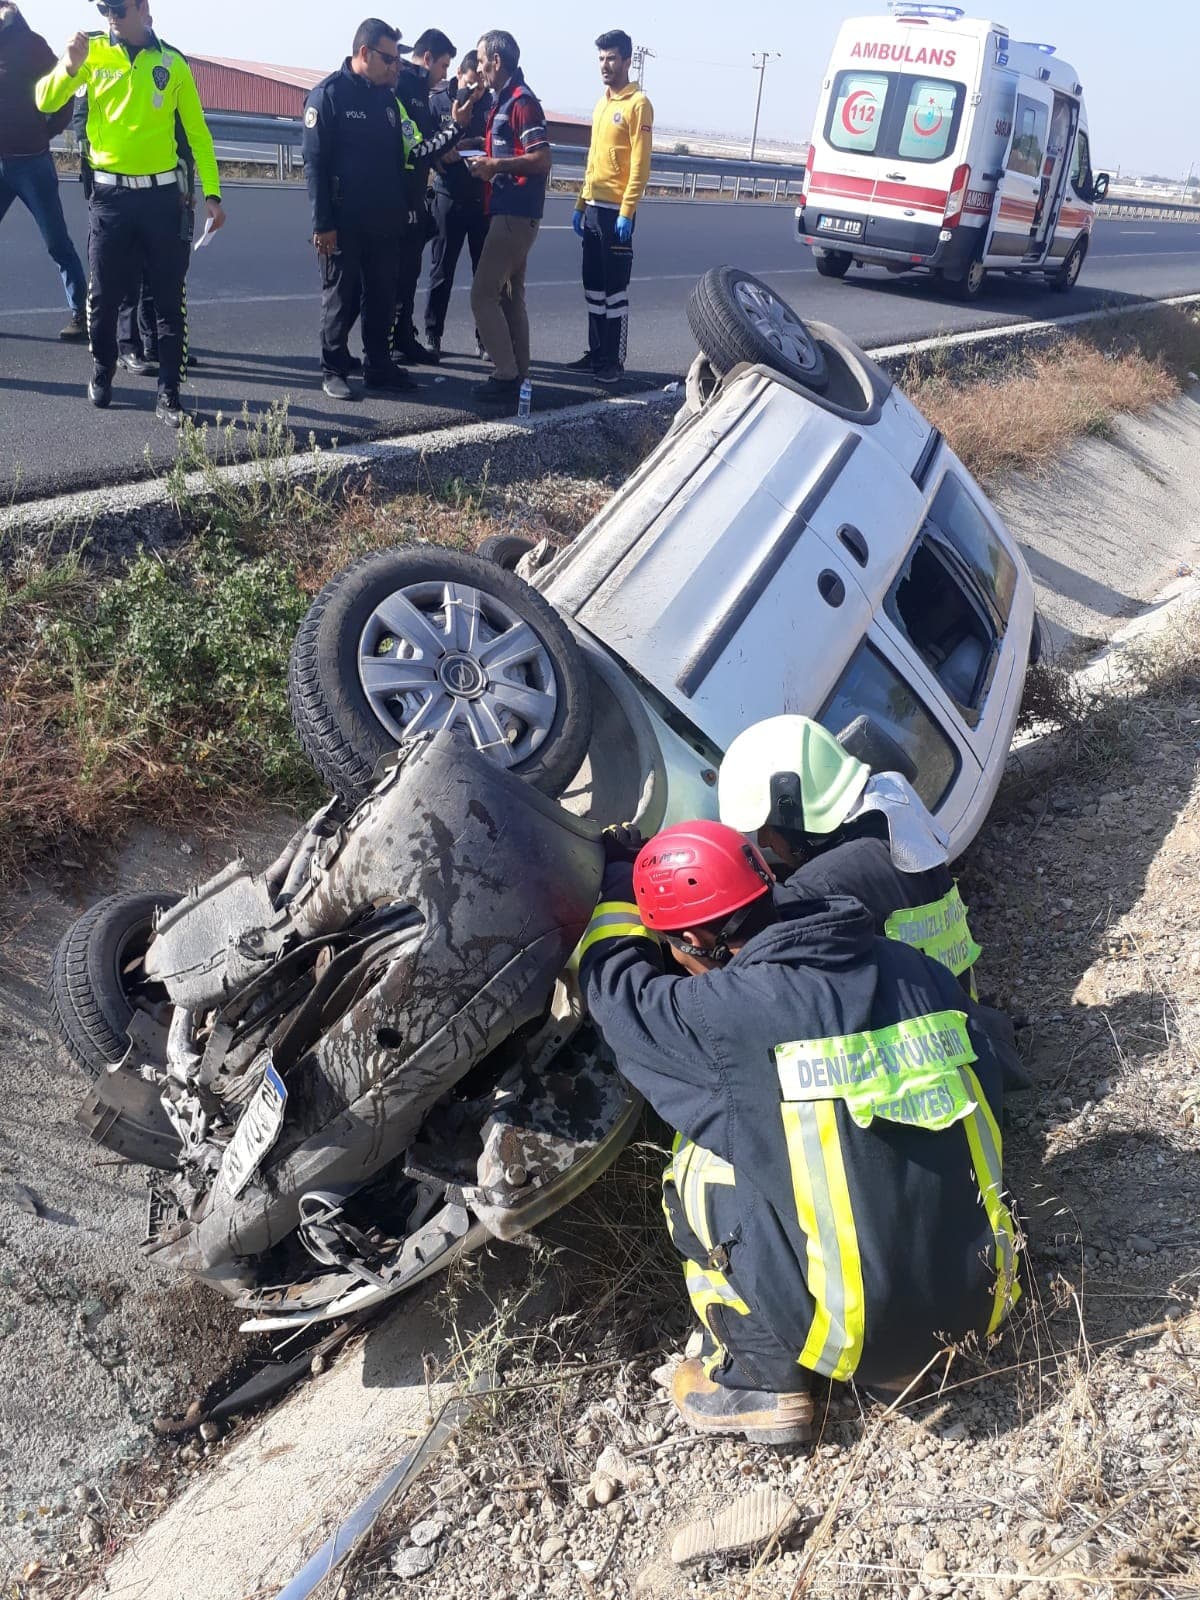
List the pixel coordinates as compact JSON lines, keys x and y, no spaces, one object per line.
{"x":389,"y":56}
{"x":116,"y":12}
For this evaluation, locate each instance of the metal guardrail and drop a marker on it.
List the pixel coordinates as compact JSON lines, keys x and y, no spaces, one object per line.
{"x":689,"y":173}
{"x":1149,"y":210}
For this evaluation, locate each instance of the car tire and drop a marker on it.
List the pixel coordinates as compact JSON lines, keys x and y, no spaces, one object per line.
{"x":1067,"y":276}
{"x":89,"y":998}
{"x":505,"y":549}
{"x":833,"y":263}
{"x":346,"y":731}
{"x":970,"y":286}
{"x":737,"y":318}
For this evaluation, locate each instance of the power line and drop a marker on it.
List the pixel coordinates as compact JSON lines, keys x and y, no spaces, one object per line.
{"x":640,"y":56}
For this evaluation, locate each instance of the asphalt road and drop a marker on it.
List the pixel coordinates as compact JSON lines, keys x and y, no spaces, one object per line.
{"x":254,"y":307}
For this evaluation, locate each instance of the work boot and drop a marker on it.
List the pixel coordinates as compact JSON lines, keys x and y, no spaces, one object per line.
{"x":414,"y":354}
{"x":168,"y":409}
{"x":100,"y":389}
{"x":608,"y":374}
{"x":495,"y":391}
{"x":393,"y":378}
{"x":336,"y":387}
{"x":130,"y":361}
{"x":761,"y":1417}
{"x":76,"y":330}
{"x":586,"y":363}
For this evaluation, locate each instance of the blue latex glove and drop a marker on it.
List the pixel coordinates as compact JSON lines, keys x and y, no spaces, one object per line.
{"x":623,"y":231}
{"x":577,"y":222}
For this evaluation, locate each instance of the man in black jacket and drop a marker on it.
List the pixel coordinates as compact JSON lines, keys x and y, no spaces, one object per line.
{"x":837,"y":1187}
{"x":354,"y":164}
{"x":459,"y":215}
{"x":420,"y":76}
{"x":27,"y":170}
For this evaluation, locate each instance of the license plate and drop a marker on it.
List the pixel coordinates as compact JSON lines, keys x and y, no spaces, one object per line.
{"x":849,"y":225}
{"x":255,"y":1133}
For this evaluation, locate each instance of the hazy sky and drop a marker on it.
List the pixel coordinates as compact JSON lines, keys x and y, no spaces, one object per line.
{"x":1137,"y":62}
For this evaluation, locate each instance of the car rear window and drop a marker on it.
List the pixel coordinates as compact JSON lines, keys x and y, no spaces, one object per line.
{"x":956,"y":516}
{"x":894,"y":114}
{"x":869,"y":685}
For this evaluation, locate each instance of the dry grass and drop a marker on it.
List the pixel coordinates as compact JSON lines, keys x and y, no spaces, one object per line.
{"x":1021,"y":415}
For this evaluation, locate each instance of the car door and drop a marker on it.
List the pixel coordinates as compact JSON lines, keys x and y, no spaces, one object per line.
{"x":1019,"y":207}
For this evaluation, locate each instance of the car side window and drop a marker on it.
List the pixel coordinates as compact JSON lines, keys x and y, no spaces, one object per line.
{"x":1081,"y":167}
{"x":870,"y":685}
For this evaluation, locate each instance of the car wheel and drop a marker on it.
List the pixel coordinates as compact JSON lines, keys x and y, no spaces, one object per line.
{"x":970,"y":285}
{"x":97,"y":981}
{"x":834,"y":263}
{"x":409,"y":641}
{"x":737,"y":318}
{"x":1067,"y":276}
{"x":505,"y":549}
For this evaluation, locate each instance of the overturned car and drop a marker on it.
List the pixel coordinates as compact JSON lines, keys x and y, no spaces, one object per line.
{"x":351,"y":1066}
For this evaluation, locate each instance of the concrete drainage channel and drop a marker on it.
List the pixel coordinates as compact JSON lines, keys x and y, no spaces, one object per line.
{"x":1104,"y":531}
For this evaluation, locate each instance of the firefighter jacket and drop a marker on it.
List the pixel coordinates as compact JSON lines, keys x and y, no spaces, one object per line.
{"x":618,"y":163}
{"x":840,"y":1169}
{"x":133,"y":100}
{"x":923,"y":909}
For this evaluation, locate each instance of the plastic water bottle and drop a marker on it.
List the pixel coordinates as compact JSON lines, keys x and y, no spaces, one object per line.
{"x":525,"y":398}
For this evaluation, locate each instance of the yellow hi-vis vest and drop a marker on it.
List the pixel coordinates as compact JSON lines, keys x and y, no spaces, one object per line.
{"x":939,"y":930}
{"x":132,"y":105}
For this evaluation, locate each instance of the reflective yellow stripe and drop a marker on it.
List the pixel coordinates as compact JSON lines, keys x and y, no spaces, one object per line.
{"x":708,"y":1287}
{"x":986,"y":1144}
{"x":695,"y":1169}
{"x":852,"y":1292}
{"x":939,"y":929}
{"x":826,"y":1342}
{"x":613,"y":919}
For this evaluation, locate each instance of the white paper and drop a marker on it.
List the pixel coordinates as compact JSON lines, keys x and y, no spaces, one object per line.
{"x":206,"y":237}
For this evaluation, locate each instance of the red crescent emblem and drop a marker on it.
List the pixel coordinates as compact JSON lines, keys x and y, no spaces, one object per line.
{"x":928,"y":133}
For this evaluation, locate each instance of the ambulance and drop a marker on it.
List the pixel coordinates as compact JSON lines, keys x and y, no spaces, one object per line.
{"x":943,"y":145}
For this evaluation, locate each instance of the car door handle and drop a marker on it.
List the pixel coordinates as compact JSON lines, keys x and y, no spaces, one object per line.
{"x":855,"y":543}
{"x":831,"y":588}
{"x":896,"y":177}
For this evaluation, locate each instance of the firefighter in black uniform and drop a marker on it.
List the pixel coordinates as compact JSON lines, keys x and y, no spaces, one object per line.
{"x":138,"y":87}
{"x":837,"y":1184}
{"x":420,"y":76}
{"x":839,"y":829}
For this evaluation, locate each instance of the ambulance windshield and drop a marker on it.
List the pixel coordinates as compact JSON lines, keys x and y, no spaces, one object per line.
{"x":894,"y":114}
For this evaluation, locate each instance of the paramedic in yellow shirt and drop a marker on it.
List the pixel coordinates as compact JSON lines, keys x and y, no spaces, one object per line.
{"x":618,"y":166}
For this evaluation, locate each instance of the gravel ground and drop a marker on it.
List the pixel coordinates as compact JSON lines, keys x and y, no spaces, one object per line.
{"x":1061,"y":1463}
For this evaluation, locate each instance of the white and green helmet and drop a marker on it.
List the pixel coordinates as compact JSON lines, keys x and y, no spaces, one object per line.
{"x":790,"y":772}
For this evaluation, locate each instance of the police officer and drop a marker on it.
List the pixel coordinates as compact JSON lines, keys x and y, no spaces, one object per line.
{"x":458,"y":201}
{"x":420,"y":76}
{"x":837,"y":1185}
{"x":618,"y":167}
{"x":140,"y":219}
{"x":839,"y":830}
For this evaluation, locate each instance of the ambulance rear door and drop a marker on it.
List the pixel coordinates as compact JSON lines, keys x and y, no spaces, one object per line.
{"x":842,"y":186}
{"x":1020,"y":217}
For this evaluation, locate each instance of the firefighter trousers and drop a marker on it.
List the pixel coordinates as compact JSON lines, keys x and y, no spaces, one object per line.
{"x":607,"y":269}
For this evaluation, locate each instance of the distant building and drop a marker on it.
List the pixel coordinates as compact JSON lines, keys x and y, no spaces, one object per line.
{"x":254,"y":88}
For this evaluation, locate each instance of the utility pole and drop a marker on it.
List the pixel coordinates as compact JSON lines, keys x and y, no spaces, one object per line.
{"x":761,"y":57}
{"x":639,"y":64}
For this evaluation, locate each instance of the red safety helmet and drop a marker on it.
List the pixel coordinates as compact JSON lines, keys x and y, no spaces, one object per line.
{"x":697,"y":873}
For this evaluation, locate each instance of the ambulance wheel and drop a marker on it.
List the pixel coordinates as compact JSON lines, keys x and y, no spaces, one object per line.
{"x":970,"y":285}
{"x":737,"y":318}
{"x":833,"y":264}
{"x":409,"y":641}
{"x":1067,"y":276}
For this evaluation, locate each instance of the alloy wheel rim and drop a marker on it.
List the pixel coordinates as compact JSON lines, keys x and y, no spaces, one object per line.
{"x":778,"y":324}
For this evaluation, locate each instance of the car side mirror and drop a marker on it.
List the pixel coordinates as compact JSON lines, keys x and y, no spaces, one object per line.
{"x":869,"y":743}
{"x":1100,"y":185}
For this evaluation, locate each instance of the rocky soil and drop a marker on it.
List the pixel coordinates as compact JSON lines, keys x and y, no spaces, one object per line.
{"x":1066,"y":1460}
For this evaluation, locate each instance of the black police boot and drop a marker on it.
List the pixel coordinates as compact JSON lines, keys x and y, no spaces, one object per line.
{"x":586,"y":363}
{"x":607,"y":374}
{"x":391,"y":378}
{"x":168,"y":409}
{"x":100,"y":388}
{"x":131,"y":361}
{"x":414,"y":354}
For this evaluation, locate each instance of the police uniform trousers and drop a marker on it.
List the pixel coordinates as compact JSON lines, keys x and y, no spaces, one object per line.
{"x":607,"y":269}
{"x":359,"y":275}
{"x":136,"y":231}
{"x":137,"y":326}
{"x":456,"y":225}
{"x":412,"y":248}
